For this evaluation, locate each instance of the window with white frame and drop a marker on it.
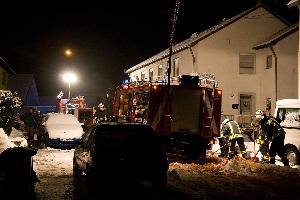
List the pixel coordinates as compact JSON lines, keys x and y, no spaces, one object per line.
{"x":160,"y":71}
{"x":175,"y":69}
{"x":137,"y":78}
{"x":247,"y":63}
{"x":151,"y":74}
{"x":269,"y":62}
{"x":143,"y":76}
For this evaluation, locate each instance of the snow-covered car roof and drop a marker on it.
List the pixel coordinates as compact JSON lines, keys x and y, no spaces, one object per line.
{"x":63,"y":126}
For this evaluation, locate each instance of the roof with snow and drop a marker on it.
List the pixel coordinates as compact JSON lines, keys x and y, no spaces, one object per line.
{"x":293,"y":3}
{"x":198,"y":36}
{"x":273,"y":39}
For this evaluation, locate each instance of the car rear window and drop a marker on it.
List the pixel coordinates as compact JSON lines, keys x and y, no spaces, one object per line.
{"x":136,"y":141}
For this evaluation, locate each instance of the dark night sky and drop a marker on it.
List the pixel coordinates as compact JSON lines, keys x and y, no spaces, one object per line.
{"x":105,"y":36}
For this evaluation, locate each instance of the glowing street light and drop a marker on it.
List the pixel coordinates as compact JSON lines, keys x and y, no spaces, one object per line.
{"x":69,"y":78}
{"x":68,"y":52}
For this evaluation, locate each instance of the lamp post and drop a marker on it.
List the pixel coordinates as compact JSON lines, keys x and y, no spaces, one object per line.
{"x":70,"y":78}
{"x":68,"y":52}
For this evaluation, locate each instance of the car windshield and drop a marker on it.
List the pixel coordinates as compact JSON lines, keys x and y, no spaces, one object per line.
{"x":289,"y":117}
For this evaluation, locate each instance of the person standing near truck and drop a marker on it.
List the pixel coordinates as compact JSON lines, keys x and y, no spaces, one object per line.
{"x":272,"y":132}
{"x":29,"y":121}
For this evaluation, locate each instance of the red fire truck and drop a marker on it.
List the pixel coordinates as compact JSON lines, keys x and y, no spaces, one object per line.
{"x":76,"y":106}
{"x":185,"y":115}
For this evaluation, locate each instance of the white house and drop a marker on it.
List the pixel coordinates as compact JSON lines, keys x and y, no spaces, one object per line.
{"x":294,"y":3}
{"x":231,"y":51}
{"x":278,"y":57}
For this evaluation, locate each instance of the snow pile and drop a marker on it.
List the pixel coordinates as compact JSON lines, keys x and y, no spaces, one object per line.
{"x":4,"y":141}
{"x":59,"y":161}
{"x":219,"y":178}
{"x":18,"y":138}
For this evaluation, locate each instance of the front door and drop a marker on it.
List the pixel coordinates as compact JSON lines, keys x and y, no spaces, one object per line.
{"x":246,"y":104}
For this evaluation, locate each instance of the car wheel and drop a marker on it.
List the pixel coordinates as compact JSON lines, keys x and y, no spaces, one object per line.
{"x":292,"y":154}
{"x":76,"y":170}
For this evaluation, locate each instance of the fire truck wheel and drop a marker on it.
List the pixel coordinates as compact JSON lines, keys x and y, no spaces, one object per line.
{"x":292,"y":154}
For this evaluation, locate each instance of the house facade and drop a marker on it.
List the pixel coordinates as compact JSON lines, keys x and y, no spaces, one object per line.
{"x":226,"y":51}
{"x":291,"y":4}
{"x":25,"y":86}
{"x":5,"y":70}
{"x":278,"y":57}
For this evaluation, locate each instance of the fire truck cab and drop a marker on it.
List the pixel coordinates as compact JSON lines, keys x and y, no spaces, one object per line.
{"x":186,"y":115}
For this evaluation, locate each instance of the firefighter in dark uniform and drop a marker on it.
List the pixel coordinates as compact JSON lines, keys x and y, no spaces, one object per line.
{"x":232,"y":130}
{"x":224,"y":140}
{"x":272,"y":132}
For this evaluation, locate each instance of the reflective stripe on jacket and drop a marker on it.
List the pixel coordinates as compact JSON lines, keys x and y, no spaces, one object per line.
{"x":231,"y":130}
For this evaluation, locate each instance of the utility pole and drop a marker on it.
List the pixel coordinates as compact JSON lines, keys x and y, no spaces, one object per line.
{"x":174,"y":20}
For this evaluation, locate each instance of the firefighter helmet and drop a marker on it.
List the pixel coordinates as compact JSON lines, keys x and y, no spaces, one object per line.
{"x":225,"y":121}
{"x":259,"y":115}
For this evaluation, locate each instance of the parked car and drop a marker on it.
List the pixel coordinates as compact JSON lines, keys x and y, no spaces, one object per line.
{"x":62,"y":130}
{"x":127,"y":154}
{"x":287,"y":112}
{"x":16,"y":172}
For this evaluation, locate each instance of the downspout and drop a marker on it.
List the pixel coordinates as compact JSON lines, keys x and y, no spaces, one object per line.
{"x":275,"y":58}
{"x":194,"y":58}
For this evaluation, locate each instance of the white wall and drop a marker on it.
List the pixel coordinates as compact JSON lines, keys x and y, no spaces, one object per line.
{"x":219,"y":54}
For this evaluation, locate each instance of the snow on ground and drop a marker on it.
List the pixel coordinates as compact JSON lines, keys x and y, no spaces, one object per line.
{"x":235,"y":179}
{"x":54,"y":171}
{"x":53,"y":162}
{"x":216,"y":178}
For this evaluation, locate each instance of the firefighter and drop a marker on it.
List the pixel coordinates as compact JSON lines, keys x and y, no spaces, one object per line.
{"x":231,"y":129}
{"x":272,"y":132}
{"x":30,"y":123}
{"x":224,"y":140}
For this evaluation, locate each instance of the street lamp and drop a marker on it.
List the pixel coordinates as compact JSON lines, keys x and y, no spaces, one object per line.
{"x":69,"y":78}
{"x":68,"y":52}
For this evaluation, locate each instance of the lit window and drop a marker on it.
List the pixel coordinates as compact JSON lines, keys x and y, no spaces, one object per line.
{"x":151,"y":74}
{"x":160,"y":71}
{"x":175,"y":70}
{"x":143,"y":76}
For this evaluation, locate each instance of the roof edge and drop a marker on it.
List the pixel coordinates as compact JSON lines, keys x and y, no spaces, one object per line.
{"x":6,"y":66}
{"x":293,"y":3}
{"x":276,"y":39}
{"x":229,"y":22}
